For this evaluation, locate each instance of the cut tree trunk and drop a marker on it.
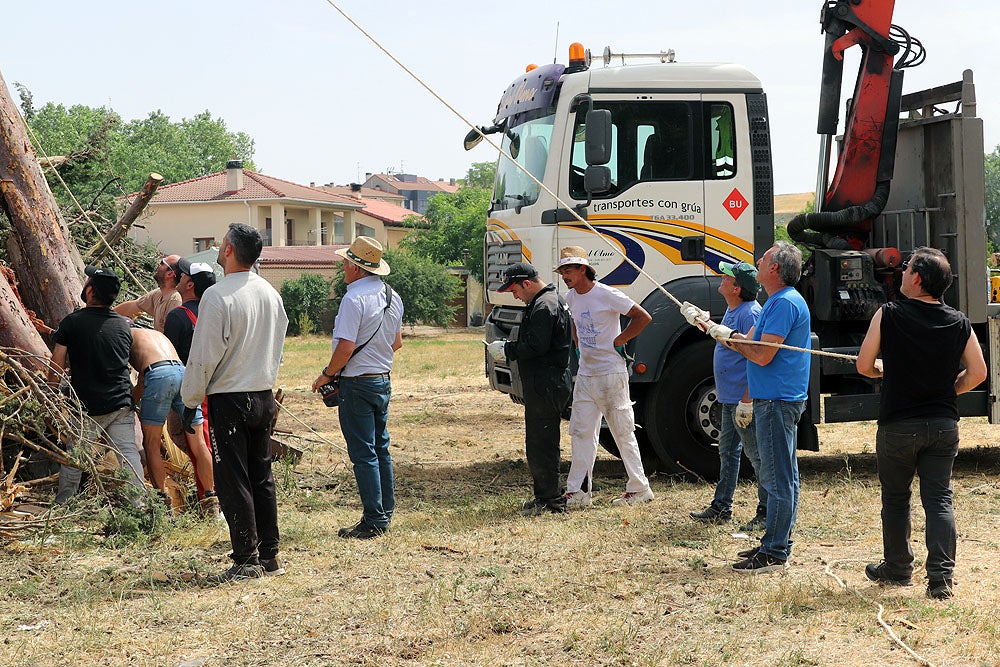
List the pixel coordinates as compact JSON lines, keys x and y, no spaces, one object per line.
{"x":121,"y":227}
{"x":17,"y":331}
{"x":47,"y":264}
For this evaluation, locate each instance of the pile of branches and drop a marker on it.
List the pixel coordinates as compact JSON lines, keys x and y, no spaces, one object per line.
{"x":37,"y":421}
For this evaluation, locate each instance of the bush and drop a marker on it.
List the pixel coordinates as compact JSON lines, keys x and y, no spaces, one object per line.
{"x":306,"y":299}
{"x":424,"y":287}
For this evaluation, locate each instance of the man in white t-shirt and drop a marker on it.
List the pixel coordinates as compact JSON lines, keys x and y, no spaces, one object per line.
{"x":601,"y":386}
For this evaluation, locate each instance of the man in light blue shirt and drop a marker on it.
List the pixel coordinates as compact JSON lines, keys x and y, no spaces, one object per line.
{"x":366,"y":334}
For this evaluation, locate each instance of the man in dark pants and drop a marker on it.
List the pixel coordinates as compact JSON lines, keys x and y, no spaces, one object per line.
{"x":924,"y":343}
{"x":541,"y":352}
{"x":234,"y":359}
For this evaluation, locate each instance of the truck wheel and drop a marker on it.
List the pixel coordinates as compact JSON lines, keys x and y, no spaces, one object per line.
{"x":683,"y":415}
{"x":651,"y":462}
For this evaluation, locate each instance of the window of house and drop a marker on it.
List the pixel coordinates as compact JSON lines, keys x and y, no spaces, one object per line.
{"x":203,"y":243}
{"x":289,"y":228}
{"x":267,"y":231}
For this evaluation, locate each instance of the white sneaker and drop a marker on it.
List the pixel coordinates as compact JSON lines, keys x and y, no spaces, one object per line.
{"x":578,"y":500}
{"x":634,"y":498}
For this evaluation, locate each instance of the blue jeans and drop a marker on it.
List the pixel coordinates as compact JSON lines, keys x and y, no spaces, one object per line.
{"x":777,"y":424}
{"x":161,"y":391}
{"x":926,"y":448}
{"x":364,"y":416}
{"x":732,"y":441}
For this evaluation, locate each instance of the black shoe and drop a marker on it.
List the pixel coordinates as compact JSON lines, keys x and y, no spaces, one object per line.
{"x":362,"y":531}
{"x":760,"y":563}
{"x":712,"y":515}
{"x":748,"y":553}
{"x":237,"y":573}
{"x":538,"y":507}
{"x":755,"y":524}
{"x":881,"y":575}
{"x":272,"y":567}
{"x":940,"y":589}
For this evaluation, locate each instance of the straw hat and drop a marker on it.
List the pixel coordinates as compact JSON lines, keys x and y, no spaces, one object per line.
{"x":573,"y":254}
{"x":366,"y":252}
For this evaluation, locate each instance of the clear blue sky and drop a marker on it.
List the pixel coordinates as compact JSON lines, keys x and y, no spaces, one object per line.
{"x":324,"y":105}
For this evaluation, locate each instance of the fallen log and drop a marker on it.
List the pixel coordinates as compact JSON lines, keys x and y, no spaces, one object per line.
{"x":120,"y":228}
{"x":47,"y":264}
{"x":17,"y":330}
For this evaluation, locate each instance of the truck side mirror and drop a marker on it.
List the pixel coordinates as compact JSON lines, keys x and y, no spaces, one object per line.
{"x":598,"y":142}
{"x":596,"y":179}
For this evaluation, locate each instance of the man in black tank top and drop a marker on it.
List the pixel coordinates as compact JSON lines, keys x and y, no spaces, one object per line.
{"x":923,"y":343}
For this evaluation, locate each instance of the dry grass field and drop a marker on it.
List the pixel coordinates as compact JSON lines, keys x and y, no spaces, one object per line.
{"x":463,"y":579}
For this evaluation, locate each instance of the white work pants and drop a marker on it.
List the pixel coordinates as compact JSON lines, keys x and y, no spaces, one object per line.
{"x":605,"y":395}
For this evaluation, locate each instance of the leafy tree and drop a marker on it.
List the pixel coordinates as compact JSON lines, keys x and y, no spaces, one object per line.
{"x":481,"y":175}
{"x":457,"y":225}
{"x":306,"y":298}
{"x":992,"y":167}
{"x":108,"y":157}
{"x":424,"y":287}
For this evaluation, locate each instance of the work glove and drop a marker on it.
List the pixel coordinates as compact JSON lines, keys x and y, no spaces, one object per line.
{"x":744,"y":414}
{"x":694,"y":315}
{"x":719,"y":332}
{"x":187,"y":418}
{"x":496,"y":351}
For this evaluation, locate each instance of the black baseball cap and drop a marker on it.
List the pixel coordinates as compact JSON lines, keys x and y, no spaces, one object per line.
{"x":102,"y":274}
{"x":201,"y":273}
{"x":516,"y":273}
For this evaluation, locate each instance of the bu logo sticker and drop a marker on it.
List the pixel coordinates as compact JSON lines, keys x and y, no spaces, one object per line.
{"x":735,"y":204}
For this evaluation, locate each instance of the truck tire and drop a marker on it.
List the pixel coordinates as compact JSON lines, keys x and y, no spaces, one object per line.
{"x":682,"y":413}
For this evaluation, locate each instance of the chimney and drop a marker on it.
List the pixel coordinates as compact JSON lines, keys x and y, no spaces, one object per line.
{"x":234,"y":175}
{"x":451,"y":181}
{"x":355,"y":187}
{"x":312,"y":184}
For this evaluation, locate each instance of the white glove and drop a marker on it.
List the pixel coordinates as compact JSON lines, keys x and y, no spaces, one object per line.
{"x":693,"y":314}
{"x":744,"y":414}
{"x":719,"y":332}
{"x":496,"y":351}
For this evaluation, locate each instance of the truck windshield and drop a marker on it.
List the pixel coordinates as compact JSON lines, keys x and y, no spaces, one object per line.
{"x":531,"y":142}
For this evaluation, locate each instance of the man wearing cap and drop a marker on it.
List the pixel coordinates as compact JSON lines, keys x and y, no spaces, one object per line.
{"x":601,"y":387}
{"x":96,"y":342}
{"x":739,"y":287}
{"x":541,"y":353}
{"x":234,"y":360}
{"x":159,"y":301}
{"x":196,"y":277}
{"x":366,"y":335}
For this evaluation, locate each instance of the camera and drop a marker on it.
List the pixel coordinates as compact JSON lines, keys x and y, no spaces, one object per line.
{"x":331,"y":394}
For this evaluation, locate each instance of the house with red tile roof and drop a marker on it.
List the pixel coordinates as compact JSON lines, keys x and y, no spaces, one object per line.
{"x":193,"y":215}
{"x":416,"y":190}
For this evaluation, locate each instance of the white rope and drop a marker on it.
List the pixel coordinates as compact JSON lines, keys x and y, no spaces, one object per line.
{"x":880,"y":617}
{"x":561,"y":203}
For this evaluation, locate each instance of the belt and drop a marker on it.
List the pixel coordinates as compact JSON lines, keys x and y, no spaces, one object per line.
{"x":384,"y":376}
{"x":164,"y":362}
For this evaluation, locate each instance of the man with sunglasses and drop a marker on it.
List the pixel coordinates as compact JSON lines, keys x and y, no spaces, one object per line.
{"x":159,"y":301}
{"x":924,"y":345}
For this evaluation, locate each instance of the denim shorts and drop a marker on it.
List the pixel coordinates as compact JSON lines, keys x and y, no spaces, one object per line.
{"x":162,"y":391}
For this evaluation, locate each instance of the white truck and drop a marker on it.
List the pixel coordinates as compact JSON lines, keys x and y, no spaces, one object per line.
{"x":671,"y":163}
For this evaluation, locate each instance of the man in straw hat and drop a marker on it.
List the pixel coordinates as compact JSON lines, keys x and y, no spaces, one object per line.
{"x":366,"y":334}
{"x":739,"y":287}
{"x":234,"y":359}
{"x":602,"y":381}
{"x":541,"y":353}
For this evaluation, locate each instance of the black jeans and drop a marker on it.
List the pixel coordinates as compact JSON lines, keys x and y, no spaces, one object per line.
{"x":240,"y":426}
{"x":926,"y":448}
{"x":546,"y":394}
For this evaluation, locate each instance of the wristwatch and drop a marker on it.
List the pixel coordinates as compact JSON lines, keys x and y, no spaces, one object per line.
{"x":326,"y":375}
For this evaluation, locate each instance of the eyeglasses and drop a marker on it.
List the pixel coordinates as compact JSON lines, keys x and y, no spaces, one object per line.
{"x":904,"y":265}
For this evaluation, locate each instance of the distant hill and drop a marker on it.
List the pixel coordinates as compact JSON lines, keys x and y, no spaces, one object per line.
{"x":792,"y":203}
{"x":787,"y":206}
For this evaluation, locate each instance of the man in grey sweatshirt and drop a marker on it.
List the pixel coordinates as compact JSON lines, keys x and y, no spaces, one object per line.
{"x":235,"y":353}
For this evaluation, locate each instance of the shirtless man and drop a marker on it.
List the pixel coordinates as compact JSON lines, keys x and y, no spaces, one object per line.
{"x":160,"y":375}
